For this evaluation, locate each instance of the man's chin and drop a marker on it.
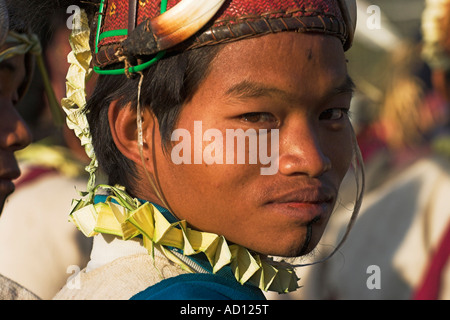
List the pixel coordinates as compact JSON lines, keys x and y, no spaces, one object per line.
{"x":301,"y":249}
{"x":293,"y":249}
{"x":2,"y":202}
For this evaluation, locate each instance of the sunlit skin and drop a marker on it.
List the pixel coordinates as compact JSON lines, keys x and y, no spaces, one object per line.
{"x":296,"y":83}
{"x":14,"y":133}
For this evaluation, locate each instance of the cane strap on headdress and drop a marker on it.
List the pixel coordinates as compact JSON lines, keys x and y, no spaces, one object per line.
{"x":130,"y":30}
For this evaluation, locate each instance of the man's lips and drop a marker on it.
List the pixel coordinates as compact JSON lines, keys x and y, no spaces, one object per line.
{"x":308,"y":195}
{"x":6,"y":187}
{"x":6,"y":181}
{"x":305,"y":204}
{"x":302,"y":211}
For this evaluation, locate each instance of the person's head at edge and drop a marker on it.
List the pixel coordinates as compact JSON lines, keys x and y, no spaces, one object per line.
{"x":15,"y":74}
{"x":436,"y":44}
{"x":294,"y":82}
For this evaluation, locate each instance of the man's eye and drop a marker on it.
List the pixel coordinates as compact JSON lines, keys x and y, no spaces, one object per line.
{"x":258,"y":117}
{"x":334,"y":114}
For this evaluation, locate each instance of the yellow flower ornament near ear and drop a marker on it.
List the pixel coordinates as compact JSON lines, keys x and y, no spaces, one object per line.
{"x":75,"y":102}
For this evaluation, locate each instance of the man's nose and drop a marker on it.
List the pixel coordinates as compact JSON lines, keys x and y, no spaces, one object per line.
{"x":14,"y":132}
{"x":301,"y":151}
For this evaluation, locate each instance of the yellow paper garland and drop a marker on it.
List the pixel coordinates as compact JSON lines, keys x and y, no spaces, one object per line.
{"x":74,"y":104}
{"x":147,"y":221}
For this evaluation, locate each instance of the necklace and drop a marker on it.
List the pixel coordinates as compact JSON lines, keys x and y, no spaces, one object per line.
{"x":126,"y":217}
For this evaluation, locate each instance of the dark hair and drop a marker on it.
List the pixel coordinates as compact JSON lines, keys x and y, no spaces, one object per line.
{"x":17,"y":17}
{"x":166,"y":86}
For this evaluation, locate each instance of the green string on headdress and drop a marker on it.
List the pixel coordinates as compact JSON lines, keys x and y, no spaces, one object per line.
{"x":121,"y":32}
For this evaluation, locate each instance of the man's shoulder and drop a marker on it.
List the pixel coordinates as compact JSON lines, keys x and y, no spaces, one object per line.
{"x":119,"y":279}
{"x":199,"y":286}
{"x":11,"y":290}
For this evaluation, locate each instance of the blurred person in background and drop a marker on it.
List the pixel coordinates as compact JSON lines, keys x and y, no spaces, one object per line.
{"x":16,"y":67}
{"x":45,"y":256}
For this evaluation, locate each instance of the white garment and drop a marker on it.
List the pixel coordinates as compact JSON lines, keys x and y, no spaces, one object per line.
{"x":39,"y":247}
{"x":107,"y":248}
{"x":118,"y":270}
{"x":10,"y":290}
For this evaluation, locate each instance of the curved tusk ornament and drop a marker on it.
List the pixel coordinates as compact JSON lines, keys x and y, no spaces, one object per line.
{"x":349,"y":11}
{"x":171,"y":28}
{"x":4,"y":22}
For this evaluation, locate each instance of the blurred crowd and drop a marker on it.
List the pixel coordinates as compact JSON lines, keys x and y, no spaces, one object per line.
{"x":39,"y":249}
{"x":399,"y":246}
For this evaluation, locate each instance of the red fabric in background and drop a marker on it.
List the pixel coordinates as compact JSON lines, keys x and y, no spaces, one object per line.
{"x":429,"y":289}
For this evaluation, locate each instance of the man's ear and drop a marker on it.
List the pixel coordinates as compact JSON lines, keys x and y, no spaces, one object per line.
{"x":123,"y":126}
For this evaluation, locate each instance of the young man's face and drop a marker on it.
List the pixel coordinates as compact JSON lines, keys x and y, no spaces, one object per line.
{"x":294,"y":85}
{"x":14,"y":133}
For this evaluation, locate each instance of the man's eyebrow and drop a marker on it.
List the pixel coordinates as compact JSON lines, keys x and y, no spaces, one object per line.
{"x":347,"y":86}
{"x":247,"y":89}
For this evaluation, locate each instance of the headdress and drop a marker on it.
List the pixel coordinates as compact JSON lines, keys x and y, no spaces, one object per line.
{"x":136,"y":34}
{"x":126,"y":30}
{"x":435,"y":29}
